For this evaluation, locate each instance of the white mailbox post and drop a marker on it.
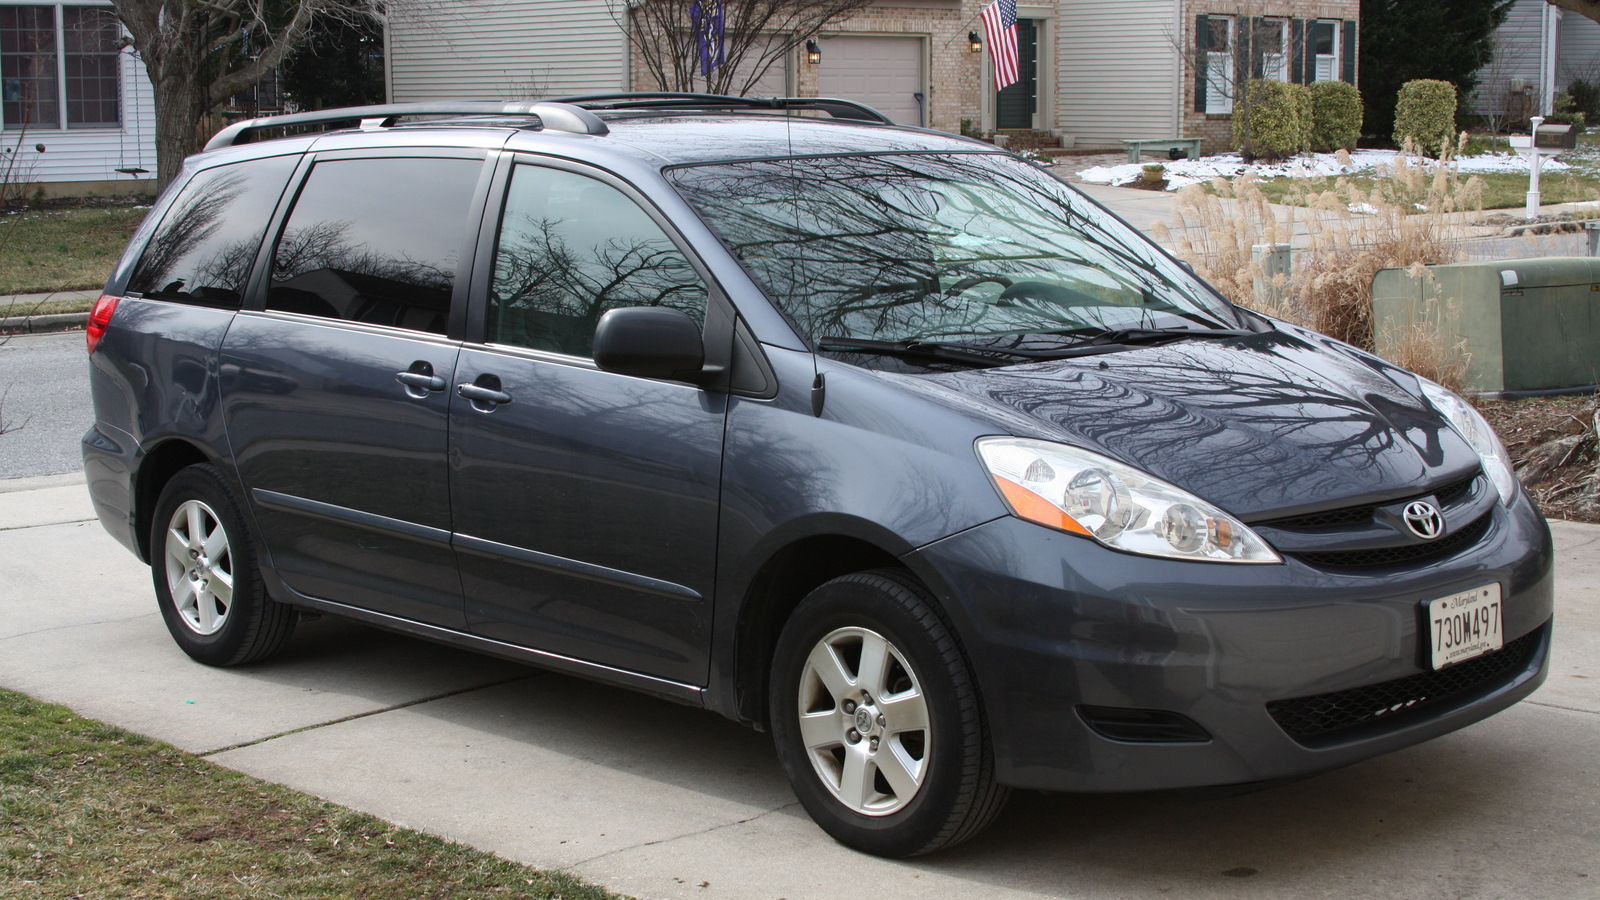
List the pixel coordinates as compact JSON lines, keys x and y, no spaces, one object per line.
{"x":1528,"y":148}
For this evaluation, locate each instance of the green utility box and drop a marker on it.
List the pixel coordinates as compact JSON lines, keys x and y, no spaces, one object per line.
{"x":1530,"y":324}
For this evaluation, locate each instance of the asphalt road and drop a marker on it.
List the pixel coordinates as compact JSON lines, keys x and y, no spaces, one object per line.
{"x":44,"y":403}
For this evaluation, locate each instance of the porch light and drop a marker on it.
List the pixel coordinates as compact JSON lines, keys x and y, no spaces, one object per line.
{"x":813,"y":53}
{"x":975,"y":42}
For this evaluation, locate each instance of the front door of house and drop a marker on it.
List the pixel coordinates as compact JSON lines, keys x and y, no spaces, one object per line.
{"x":1016,"y":105}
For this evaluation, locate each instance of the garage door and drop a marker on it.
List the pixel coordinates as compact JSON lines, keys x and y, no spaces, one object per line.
{"x":882,"y":72}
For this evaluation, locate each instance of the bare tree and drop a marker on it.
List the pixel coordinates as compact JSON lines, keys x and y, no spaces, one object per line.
{"x":1243,"y":45}
{"x":198,"y":53}
{"x":756,"y":34}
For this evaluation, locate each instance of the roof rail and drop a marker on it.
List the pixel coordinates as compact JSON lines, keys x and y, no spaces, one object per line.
{"x":839,"y":109}
{"x":552,"y":116}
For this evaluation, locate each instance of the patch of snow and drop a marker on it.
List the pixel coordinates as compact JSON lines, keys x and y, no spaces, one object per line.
{"x":1181,"y":173}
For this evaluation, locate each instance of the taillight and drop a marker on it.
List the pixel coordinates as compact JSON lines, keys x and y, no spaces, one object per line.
{"x":99,"y":318}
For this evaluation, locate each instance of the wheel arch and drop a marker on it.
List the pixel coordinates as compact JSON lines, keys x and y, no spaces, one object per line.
{"x":160,"y":463}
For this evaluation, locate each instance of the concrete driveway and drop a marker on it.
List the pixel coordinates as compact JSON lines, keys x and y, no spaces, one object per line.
{"x":663,"y":801}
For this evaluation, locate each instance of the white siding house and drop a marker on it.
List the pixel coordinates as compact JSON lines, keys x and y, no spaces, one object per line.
{"x":503,"y":50}
{"x":68,"y":51}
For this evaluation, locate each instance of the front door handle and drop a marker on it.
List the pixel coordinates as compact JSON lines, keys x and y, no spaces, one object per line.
{"x":484,"y":392}
{"x":420,"y":380}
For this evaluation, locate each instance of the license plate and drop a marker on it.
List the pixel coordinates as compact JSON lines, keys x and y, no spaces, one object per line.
{"x":1465,"y":625}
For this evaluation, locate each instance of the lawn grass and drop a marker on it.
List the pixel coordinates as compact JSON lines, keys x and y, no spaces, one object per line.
{"x":88,"y":810}
{"x":1501,"y":190}
{"x":63,"y":249}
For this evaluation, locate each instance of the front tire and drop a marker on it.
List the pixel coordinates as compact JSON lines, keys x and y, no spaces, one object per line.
{"x":877,"y":721}
{"x":203,"y":564}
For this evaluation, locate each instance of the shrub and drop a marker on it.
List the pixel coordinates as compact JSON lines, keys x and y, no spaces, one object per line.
{"x":1585,"y":97}
{"x":1565,"y":111}
{"x":1275,"y":119}
{"x":1426,"y":114}
{"x":1336,"y":112}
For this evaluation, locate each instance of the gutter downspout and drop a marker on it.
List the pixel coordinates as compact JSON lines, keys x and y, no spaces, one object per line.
{"x":1548,"y":45}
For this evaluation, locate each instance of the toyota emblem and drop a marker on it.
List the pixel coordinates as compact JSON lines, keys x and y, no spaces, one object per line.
{"x":1424,"y":520}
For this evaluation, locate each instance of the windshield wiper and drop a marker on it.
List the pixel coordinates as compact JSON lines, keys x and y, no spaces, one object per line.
{"x":1090,"y":343}
{"x":924,"y":350}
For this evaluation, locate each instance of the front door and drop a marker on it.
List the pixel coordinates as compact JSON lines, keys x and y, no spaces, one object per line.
{"x":1016,"y":105}
{"x":585,"y":503}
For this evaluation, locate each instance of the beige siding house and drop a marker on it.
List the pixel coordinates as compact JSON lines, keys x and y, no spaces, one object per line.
{"x":1095,"y":73}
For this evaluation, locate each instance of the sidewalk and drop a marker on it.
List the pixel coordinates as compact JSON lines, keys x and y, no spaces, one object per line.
{"x":656,"y":800}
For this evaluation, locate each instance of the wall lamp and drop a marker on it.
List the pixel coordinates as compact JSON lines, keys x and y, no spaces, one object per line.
{"x":813,"y":53}
{"x":974,"y":42}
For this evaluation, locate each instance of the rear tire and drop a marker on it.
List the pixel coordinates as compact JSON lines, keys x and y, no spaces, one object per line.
{"x":203,"y":564}
{"x":877,"y":721}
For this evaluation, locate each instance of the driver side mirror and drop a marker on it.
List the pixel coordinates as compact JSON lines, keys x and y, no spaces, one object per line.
{"x":649,"y":342}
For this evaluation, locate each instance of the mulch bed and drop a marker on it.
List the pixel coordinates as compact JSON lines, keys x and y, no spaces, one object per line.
{"x":1552,"y":441}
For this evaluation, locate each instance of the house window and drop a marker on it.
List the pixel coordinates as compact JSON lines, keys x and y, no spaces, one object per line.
{"x":90,"y":35}
{"x":1324,"y":42}
{"x":1271,"y":49}
{"x":1219,"y":64}
{"x":28,"y":86}
{"x":38,"y":61}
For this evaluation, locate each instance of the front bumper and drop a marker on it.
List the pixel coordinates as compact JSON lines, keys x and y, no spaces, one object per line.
{"x":1054,"y":622}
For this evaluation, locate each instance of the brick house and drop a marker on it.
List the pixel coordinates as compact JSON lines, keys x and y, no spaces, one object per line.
{"x":1094,"y":73}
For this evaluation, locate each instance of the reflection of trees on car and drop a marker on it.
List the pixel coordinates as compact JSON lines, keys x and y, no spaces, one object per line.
{"x":914,"y":247}
{"x":188,"y":228}
{"x":550,"y":294}
{"x":318,"y":271}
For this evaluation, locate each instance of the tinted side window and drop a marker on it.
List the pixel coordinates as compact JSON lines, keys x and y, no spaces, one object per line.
{"x":207,"y":242}
{"x":375,"y":240}
{"x":572,"y":247}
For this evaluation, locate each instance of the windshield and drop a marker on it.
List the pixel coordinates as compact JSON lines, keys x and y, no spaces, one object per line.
{"x":952,"y":247}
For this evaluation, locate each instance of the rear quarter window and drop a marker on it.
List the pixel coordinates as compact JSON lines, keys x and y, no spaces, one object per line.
{"x":205,"y":246}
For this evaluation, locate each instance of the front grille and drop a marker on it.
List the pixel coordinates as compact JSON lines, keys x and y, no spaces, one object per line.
{"x":1325,"y":717}
{"x":1388,"y":556}
{"x":1446,"y":496}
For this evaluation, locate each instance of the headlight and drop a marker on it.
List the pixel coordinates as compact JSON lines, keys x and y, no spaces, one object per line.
{"x":1476,"y":431}
{"x":1085,"y":493}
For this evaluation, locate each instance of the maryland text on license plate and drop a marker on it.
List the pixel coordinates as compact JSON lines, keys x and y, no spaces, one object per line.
{"x":1465,"y":625}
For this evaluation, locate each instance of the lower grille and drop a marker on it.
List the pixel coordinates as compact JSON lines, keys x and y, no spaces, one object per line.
{"x":1326,"y":717}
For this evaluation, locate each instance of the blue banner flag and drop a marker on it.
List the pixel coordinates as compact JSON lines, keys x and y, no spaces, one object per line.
{"x":707,"y":16}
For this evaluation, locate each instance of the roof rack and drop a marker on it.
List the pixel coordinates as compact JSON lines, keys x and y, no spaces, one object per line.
{"x":839,"y":109}
{"x":552,"y":116}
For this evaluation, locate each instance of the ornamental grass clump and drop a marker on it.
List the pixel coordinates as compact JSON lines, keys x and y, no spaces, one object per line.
{"x":1342,"y":235}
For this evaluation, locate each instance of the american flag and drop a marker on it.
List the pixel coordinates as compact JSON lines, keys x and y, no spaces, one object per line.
{"x":1000,"y":30}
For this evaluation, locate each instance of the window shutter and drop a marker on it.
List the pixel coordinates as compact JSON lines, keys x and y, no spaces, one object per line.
{"x":1202,"y":45}
{"x":1297,"y":51}
{"x":1258,"y":59}
{"x":1348,"y":47}
{"x":1244,"y":49}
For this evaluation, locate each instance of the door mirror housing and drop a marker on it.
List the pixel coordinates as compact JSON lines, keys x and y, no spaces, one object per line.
{"x":649,"y":342}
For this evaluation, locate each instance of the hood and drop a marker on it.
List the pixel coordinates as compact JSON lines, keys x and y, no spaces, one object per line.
{"x":1269,"y":425}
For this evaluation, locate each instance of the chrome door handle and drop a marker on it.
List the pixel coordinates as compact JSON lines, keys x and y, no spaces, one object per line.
{"x":480,"y":395}
{"x":419,"y":380}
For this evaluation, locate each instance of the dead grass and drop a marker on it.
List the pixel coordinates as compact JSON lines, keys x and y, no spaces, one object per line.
{"x":88,"y":810}
{"x":1344,"y":231}
{"x":1556,"y":451}
{"x":64,"y":249}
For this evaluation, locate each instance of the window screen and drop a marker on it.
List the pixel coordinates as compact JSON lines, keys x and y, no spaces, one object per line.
{"x":28,"y":88}
{"x":90,"y":35}
{"x":376,"y":240}
{"x":207,"y":242}
{"x":572,"y":247}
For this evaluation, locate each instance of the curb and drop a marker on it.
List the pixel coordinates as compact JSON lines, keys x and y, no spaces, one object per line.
{"x":43,"y":324}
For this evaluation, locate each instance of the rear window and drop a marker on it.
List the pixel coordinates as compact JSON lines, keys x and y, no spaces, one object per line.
{"x":207,"y":242}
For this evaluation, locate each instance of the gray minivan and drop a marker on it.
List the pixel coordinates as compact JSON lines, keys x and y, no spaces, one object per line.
{"x":878,"y":438}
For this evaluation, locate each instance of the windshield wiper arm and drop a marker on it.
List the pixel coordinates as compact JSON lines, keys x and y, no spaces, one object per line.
{"x":921,"y":350}
{"x":1130,"y":336}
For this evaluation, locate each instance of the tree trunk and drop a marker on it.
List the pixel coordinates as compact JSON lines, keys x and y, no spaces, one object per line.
{"x":176,"y":118}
